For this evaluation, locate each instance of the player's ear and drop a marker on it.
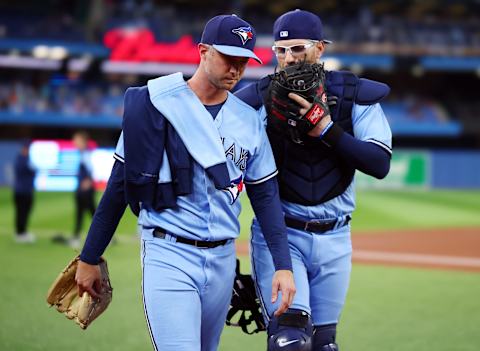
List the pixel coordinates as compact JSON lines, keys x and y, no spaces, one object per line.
{"x":319,"y":49}
{"x":203,"y":50}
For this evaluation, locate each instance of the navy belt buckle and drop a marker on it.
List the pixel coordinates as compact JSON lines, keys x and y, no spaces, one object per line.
{"x":307,"y":225}
{"x":162,"y":233}
{"x":318,"y":226}
{"x":199,"y":244}
{"x":159,"y":233}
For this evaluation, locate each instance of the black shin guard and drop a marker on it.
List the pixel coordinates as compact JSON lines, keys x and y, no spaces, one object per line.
{"x":324,"y":338}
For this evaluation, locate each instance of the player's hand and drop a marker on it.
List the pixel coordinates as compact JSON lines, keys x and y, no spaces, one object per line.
{"x":305,"y":106}
{"x":315,"y":132}
{"x":88,"y":279}
{"x":283,"y":281}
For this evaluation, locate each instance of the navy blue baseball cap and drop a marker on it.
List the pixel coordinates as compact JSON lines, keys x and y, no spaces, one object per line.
{"x":298,"y":24}
{"x":230,"y":35}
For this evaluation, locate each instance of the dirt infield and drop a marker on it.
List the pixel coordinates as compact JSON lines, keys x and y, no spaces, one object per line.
{"x":457,"y":249}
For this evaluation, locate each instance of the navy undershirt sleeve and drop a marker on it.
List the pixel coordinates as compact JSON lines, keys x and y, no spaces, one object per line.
{"x":265,"y":200}
{"x":107,"y":216}
{"x":367,"y":157}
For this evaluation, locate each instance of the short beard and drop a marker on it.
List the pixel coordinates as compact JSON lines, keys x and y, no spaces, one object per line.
{"x":219,"y":84}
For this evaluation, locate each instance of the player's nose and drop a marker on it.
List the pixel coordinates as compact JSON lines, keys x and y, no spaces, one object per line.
{"x":289,"y":59}
{"x":235,"y":69}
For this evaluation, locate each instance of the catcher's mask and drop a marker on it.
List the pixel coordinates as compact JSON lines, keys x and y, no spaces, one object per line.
{"x":244,"y":306}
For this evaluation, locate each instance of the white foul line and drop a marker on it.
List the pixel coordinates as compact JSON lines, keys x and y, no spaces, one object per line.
{"x":416,"y":258}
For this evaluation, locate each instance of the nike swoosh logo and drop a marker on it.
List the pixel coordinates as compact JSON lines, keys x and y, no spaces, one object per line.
{"x":282,"y":343}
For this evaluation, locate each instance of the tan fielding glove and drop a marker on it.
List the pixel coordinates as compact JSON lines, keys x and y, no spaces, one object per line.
{"x":63,"y":294}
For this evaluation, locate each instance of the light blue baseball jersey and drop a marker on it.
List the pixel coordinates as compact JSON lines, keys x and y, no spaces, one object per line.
{"x":369,"y":124}
{"x":207,"y":213}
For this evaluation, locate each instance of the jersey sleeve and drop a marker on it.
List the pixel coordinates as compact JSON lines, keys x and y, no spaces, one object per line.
{"x":265,"y":200}
{"x":371,"y":125}
{"x":119,"y":153}
{"x":106,"y":218}
{"x":261,"y":165}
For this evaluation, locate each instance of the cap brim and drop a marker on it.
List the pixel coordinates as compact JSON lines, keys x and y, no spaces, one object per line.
{"x":236,"y":51}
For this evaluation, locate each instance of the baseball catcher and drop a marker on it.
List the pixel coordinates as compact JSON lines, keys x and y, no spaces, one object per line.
{"x":306,"y":80}
{"x":63,"y":294}
{"x":324,"y":127}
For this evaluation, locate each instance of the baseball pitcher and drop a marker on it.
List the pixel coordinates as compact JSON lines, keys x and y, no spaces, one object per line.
{"x":187,"y":151}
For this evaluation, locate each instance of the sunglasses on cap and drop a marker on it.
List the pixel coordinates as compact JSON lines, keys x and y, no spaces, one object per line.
{"x":295,"y":50}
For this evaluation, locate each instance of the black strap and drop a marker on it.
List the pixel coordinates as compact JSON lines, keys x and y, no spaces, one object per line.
{"x":314,"y":226}
{"x":161,"y":234}
{"x":244,"y":321}
{"x":349,"y":93}
{"x":294,"y":320}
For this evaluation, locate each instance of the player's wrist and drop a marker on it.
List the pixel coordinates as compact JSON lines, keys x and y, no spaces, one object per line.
{"x":325,"y":130}
{"x":281,"y":270}
{"x":89,"y":258}
{"x":331,"y":135}
{"x":283,"y":267}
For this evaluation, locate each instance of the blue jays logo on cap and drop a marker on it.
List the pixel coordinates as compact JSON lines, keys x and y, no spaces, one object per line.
{"x":245,"y":33}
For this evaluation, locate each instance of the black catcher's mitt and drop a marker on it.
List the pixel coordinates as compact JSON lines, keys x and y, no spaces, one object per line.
{"x":245,"y":303}
{"x":306,"y":80}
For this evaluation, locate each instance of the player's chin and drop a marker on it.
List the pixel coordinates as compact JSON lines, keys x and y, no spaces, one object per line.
{"x":229,"y":84}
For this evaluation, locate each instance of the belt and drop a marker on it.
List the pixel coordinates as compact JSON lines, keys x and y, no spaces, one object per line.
{"x":315,"y":226}
{"x":161,"y":234}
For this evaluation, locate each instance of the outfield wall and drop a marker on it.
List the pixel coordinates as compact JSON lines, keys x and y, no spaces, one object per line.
{"x":452,"y":169}
{"x":409,"y":169}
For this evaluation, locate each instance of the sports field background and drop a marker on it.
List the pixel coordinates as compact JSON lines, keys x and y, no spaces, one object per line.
{"x":388,"y":308}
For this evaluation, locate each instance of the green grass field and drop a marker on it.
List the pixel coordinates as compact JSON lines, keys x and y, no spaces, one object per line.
{"x":387,"y":308}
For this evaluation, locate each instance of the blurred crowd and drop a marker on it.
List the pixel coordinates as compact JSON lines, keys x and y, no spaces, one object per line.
{"x":106,"y":100}
{"x":412,"y":110}
{"x":433,"y":27}
{"x":68,"y":99}
{"x":402,"y":28}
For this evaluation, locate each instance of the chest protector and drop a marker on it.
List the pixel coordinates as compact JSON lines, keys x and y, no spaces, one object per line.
{"x":312,"y":173}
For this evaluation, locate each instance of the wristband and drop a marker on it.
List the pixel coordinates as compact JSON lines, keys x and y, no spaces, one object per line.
{"x":332,"y":135}
{"x":325,"y":130}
